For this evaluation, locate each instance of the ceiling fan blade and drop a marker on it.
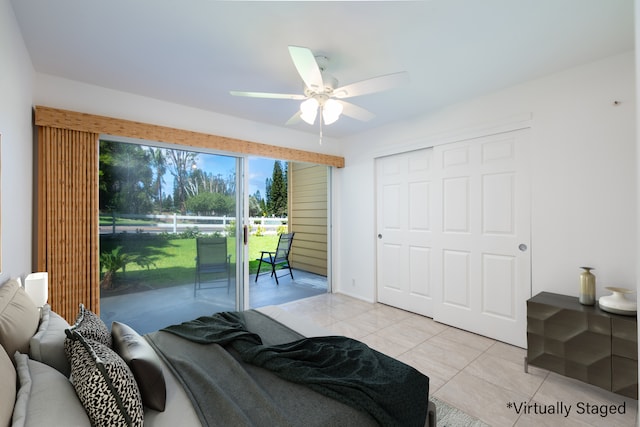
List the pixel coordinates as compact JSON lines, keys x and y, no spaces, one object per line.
{"x":307,"y":67}
{"x":294,"y":119}
{"x":375,"y":84}
{"x":358,"y":113}
{"x":267,"y":95}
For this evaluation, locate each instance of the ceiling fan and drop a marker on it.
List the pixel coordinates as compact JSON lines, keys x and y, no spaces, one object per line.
{"x":322,"y":93}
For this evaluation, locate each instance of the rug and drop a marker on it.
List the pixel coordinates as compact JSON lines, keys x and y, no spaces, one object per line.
{"x":448,"y":416}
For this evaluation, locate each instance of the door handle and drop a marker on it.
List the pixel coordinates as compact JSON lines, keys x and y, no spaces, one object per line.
{"x":379,"y":236}
{"x":245,"y":234}
{"x":522,"y":247}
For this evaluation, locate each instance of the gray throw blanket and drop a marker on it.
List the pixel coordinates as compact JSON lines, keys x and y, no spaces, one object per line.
{"x":344,"y":369}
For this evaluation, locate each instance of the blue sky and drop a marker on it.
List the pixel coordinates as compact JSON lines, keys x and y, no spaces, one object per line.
{"x":259,"y":170}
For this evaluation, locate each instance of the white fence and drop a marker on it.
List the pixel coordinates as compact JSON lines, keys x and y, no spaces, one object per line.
{"x":178,"y":223}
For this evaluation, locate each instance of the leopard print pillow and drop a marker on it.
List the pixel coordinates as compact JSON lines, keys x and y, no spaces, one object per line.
{"x":91,"y":327}
{"x":104,"y":384}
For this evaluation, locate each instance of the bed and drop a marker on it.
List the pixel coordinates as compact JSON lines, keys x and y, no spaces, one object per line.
{"x":262,"y":367}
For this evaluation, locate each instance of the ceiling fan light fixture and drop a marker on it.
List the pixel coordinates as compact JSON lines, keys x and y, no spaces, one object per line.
{"x":309,"y":110}
{"x":331,"y":111}
{"x":320,"y":90}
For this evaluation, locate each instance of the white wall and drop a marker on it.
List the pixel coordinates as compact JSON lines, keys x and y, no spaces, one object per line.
{"x":16,"y":75}
{"x":583,"y":171}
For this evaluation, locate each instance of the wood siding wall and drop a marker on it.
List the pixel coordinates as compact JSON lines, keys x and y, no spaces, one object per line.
{"x":308,"y":213}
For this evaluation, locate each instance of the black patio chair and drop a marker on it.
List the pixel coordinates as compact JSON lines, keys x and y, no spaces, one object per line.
{"x":279,"y":258}
{"x":212,"y":262}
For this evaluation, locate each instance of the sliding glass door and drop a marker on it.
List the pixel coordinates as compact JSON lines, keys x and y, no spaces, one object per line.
{"x":171,"y":237}
{"x":287,"y":197}
{"x":181,"y":232}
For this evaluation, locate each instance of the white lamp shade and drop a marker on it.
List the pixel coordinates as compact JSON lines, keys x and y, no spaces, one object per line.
{"x":309,"y":110}
{"x":37,"y":287}
{"x":331,"y":111}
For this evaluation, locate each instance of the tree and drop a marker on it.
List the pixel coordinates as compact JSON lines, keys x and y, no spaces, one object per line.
{"x":180,"y":163}
{"x":276,"y":189}
{"x":200,"y":181}
{"x":105,"y":175}
{"x":201,"y":204}
{"x":211,"y":204}
{"x":126,"y":178}
{"x":112,"y":262}
{"x":167,"y":204}
{"x":257,"y":205}
{"x":224,"y":205}
{"x":159,"y":163}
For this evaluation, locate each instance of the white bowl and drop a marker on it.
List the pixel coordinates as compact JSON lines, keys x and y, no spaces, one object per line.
{"x":617,"y":302}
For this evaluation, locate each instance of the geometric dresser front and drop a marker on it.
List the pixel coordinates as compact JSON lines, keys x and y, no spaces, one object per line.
{"x":624,"y":363}
{"x":583,"y":342}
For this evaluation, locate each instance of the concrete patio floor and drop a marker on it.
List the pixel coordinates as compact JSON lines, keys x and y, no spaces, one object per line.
{"x":151,"y":310}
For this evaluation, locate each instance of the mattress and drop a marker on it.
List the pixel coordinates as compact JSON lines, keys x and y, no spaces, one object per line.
{"x":179,"y":410}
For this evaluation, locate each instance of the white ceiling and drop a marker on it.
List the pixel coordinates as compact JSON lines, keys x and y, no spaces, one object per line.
{"x":193,"y":52}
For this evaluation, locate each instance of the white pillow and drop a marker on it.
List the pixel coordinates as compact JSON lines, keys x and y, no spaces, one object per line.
{"x":7,"y":387}
{"x":45,"y":397}
{"x":19,"y":318}
{"x":47,"y":345}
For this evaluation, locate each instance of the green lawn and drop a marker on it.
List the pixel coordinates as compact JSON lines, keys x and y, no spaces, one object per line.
{"x":173,"y":260}
{"x":108,"y":220}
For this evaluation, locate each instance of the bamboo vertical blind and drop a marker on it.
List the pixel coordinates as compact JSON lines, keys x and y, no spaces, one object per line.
{"x":68,"y":234}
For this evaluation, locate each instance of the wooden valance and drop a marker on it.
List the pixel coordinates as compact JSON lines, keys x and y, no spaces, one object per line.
{"x":65,"y":119}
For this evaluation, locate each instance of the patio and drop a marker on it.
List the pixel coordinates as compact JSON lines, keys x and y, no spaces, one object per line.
{"x":151,"y":310}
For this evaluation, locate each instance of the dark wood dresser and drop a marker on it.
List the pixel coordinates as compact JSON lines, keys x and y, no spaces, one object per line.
{"x":583,"y":342}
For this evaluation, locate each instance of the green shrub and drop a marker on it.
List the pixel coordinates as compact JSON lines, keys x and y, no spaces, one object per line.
{"x":116,"y":260}
{"x":230,"y":229}
{"x":190,"y":233}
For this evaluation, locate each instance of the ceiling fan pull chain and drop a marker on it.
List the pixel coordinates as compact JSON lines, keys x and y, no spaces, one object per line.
{"x":320,"y":142}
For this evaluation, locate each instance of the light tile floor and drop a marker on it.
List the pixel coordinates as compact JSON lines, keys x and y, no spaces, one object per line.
{"x":481,"y":376}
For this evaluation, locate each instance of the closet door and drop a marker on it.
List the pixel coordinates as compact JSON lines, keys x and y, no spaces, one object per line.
{"x":482,"y":235}
{"x":453,"y":234}
{"x":404,"y":235}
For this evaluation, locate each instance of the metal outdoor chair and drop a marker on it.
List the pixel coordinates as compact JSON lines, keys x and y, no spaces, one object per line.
{"x":212,"y":262}
{"x":279,"y":258}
